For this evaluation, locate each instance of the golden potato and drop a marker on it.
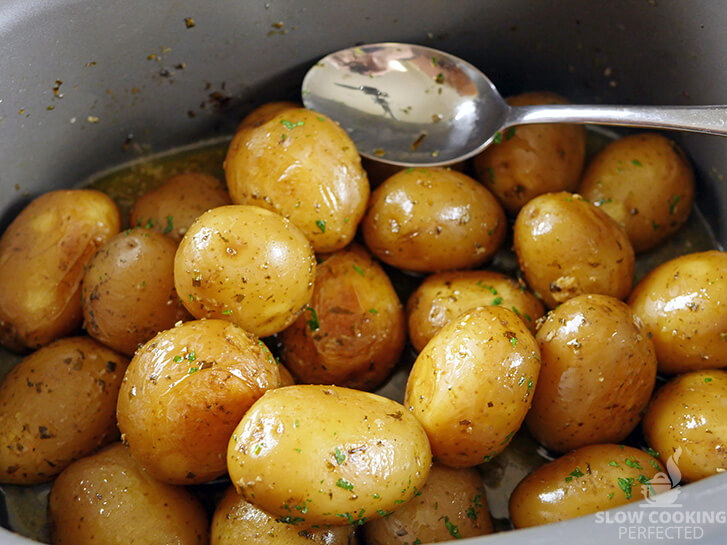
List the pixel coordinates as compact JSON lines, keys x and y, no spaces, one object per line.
{"x":471,"y":385}
{"x":598,"y":369}
{"x":587,"y":480}
{"x":452,"y":504}
{"x":172,"y":207}
{"x":568,"y":247}
{"x":286,"y":379}
{"x":128,"y":290}
{"x":530,"y":160}
{"x":686,"y":420}
{"x":57,"y":405}
{"x":683,"y":304}
{"x":305,"y":167}
{"x":265,"y":112}
{"x":353,"y":332}
{"x":185,"y":391}
{"x":42,"y":255}
{"x":645,"y":183}
{"x":433,"y":219}
{"x":108,"y":499}
{"x":246,"y":265}
{"x":327,"y":455}
{"x":237,"y":521}
{"x":444,"y":296}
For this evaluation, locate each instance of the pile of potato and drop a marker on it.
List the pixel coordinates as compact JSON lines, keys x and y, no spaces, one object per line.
{"x":171,"y":384}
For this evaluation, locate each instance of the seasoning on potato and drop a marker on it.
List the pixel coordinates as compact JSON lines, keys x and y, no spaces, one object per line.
{"x":305,"y":167}
{"x":530,"y":160}
{"x":433,"y":219}
{"x":584,"y":481}
{"x":353,"y":331}
{"x":246,"y":265}
{"x":185,"y":391}
{"x":315,"y":455}
{"x":172,"y":207}
{"x":683,"y":304}
{"x":645,"y":183}
{"x":686,"y":420}
{"x":452,"y":505}
{"x":444,"y":296}
{"x":42,"y":256}
{"x":128,"y":290}
{"x":568,"y":247}
{"x":472,"y":385}
{"x":57,"y":405}
{"x":598,"y":369}
{"x":108,"y":498}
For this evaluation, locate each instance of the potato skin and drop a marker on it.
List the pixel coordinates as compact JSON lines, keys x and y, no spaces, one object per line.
{"x":584,"y":481}
{"x":682,"y":305}
{"x":471,"y":385}
{"x":172,"y":207}
{"x":246,"y":265}
{"x":688,"y":412}
{"x":42,"y":255}
{"x":568,"y":247}
{"x":645,"y":183}
{"x":533,"y":159}
{"x":365,"y":452}
{"x":57,"y":405}
{"x":265,"y":112}
{"x":452,"y":504}
{"x":598,"y":369}
{"x":358,"y":331}
{"x":444,"y":296}
{"x":237,"y":521}
{"x":185,"y":391}
{"x":305,"y":167}
{"x":433,"y":219}
{"x":108,"y":499}
{"x":128,"y":290}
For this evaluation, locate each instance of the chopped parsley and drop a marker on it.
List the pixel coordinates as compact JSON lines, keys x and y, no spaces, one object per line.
{"x":513,"y":341}
{"x":575,"y":474}
{"x":321,"y":225}
{"x":290,"y":126}
{"x":343,"y":483}
{"x":673,"y":204}
{"x":359,"y":270}
{"x":192,"y":356}
{"x":509,"y":133}
{"x":340,"y":456}
{"x":636,"y":163}
{"x":625,"y":485}
{"x":613,"y":463}
{"x":497,"y":300}
{"x":226,"y":312}
{"x":633,"y":463}
{"x":373,"y":311}
{"x":498,"y":138}
{"x":452,"y":529}
{"x":313,"y":322}
{"x":707,"y":379}
{"x":177,"y":359}
{"x":193,"y":370}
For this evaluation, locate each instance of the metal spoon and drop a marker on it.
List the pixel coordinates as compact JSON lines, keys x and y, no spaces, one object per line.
{"x":411,"y":105}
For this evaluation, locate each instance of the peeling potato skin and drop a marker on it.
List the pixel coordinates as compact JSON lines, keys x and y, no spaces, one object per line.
{"x":42,"y":256}
{"x":584,"y":481}
{"x":598,"y":369}
{"x":471,"y":386}
{"x":568,"y":247}
{"x":688,"y":412}
{"x":328,"y":455}
{"x":358,"y":332}
{"x":57,"y":405}
{"x":185,"y":391}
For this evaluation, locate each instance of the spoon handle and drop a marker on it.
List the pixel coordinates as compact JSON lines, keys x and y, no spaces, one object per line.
{"x":705,"y":119}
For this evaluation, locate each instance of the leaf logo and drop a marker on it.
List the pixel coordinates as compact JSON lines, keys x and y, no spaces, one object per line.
{"x":663,"y":490}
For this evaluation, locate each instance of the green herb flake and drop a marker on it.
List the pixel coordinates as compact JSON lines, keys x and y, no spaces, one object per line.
{"x":343,"y":483}
{"x":633,"y":463}
{"x":434,"y":61}
{"x":452,"y":529}
{"x":509,"y":436}
{"x":530,"y":385}
{"x":376,"y":496}
{"x":515,"y":310}
{"x":707,"y":379}
{"x":192,"y":356}
{"x":636,"y":163}
{"x":513,"y":341}
{"x":498,"y":138}
{"x":509,"y":133}
{"x":528,"y":318}
{"x":522,"y":381}
{"x":290,"y":126}
{"x":409,"y":170}
{"x":193,"y":370}
{"x":491,"y":174}
{"x":319,"y":118}
{"x":313,"y":323}
{"x":651,"y":452}
{"x":417,"y":541}
{"x":625,"y":485}
{"x":257,"y":449}
{"x":613,"y":463}
{"x":226,"y":312}
{"x":673,"y":203}
{"x":340,"y":456}
{"x":575,"y":474}
{"x":655,"y":226}
{"x":610,"y":496}
{"x":191,"y":298}
{"x":359,"y":270}
{"x":439,"y":78}
{"x":496,"y":301}
{"x":373,"y":311}
{"x":321,"y":225}
{"x":297,"y":450}
{"x":177,"y":359}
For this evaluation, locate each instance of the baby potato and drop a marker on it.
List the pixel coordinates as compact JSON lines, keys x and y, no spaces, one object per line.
{"x":42,"y":255}
{"x":57,"y":405}
{"x":128,"y":290}
{"x":584,"y":481}
{"x":645,"y":183}
{"x":185,"y":391}
{"x":302,"y":165}
{"x":683,"y":304}
{"x":286,"y":379}
{"x":444,"y":296}
{"x":246,"y":265}
{"x":598,"y":369}
{"x":471,"y":385}
{"x":328,"y":455}
{"x":688,"y":414}
{"x":265,"y":112}
{"x":108,"y":499}
{"x":568,"y":247}
{"x":530,"y":160}
{"x":433,"y":219}
{"x":452,"y":504}
{"x":353,"y":332}
{"x":237,"y":521}
{"x":172,"y":207}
